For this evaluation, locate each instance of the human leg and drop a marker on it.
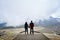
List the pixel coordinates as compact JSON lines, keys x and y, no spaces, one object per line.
{"x":30,"y":30}
{"x":27,"y":31}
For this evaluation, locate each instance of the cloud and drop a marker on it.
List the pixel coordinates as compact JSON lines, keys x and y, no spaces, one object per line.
{"x":56,"y":11}
{"x":16,"y":12}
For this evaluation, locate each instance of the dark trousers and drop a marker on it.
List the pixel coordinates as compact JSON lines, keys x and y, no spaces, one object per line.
{"x":26,"y":30}
{"x":31,"y":31}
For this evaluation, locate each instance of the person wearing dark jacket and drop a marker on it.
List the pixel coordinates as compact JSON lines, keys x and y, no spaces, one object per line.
{"x":26,"y":27}
{"x":31,"y":27}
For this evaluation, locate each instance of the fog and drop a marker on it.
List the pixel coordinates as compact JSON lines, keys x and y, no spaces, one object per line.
{"x":16,"y":12}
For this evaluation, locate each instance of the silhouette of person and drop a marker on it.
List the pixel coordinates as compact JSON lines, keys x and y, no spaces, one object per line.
{"x":31,"y":27}
{"x":26,"y":27}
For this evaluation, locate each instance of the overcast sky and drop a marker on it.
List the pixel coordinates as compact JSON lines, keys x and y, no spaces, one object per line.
{"x":16,"y":12}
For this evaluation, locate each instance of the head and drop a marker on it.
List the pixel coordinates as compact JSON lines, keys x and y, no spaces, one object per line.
{"x":31,"y":21}
{"x":25,"y":22}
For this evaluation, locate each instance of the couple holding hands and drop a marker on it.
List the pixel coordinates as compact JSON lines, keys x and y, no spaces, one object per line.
{"x":31,"y":26}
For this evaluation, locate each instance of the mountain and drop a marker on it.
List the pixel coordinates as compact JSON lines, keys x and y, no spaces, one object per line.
{"x":51,"y":23}
{"x":3,"y":24}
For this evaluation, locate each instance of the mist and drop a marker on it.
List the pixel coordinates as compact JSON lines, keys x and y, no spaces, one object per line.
{"x":16,"y":12}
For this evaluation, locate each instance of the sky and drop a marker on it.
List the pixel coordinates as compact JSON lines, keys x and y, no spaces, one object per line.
{"x":16,"y":12}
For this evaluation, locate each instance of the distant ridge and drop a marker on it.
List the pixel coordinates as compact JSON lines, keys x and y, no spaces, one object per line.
{"x":3,"y":24}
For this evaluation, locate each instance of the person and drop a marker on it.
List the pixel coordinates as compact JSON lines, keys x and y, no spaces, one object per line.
{"x":26,"y":27}
{"x":31,"y":27}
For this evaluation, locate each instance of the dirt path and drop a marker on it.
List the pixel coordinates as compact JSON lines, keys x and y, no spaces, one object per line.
{"x":38,"y":36}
